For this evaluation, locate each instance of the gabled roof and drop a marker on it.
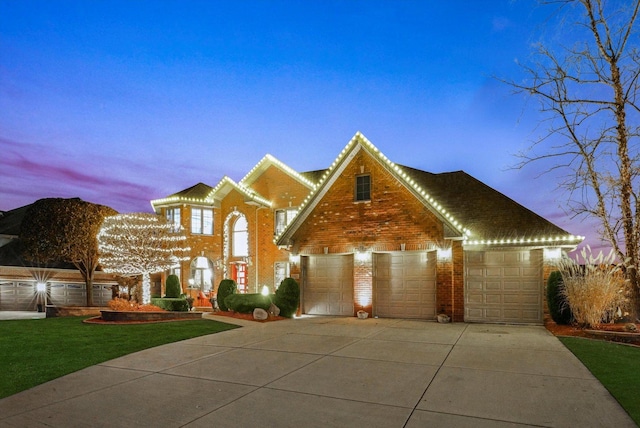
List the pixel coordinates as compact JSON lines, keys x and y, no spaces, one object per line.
{"x":194,"y":194}
{"x":490,"y":216}
{"x":225,"y":185}
{"x":269,"y":161}
{"x":468,"y":208}
{"x":453,"y":228}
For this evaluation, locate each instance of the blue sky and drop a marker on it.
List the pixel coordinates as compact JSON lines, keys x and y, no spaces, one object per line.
{"x":121,"y":102}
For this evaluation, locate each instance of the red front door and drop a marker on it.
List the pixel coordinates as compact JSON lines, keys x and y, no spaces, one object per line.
{"x":240,"y":276}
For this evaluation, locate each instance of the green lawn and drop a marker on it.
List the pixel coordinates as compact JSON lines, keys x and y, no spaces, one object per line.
{"x":615,"y":366}
{"x":35,"y":351}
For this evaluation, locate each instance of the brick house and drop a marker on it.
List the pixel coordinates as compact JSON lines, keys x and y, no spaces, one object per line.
{"x":368,"y":234}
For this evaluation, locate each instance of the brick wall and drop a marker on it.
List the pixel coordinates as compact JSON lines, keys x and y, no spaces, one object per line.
{"x":392,"y":217}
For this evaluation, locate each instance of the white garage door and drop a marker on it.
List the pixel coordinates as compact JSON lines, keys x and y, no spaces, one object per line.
{"x":503,"y":286}
{"x":21,"y":296}
{"x":328,"y":286}
{"x":17,"y":296}
{"x":404,"y":285}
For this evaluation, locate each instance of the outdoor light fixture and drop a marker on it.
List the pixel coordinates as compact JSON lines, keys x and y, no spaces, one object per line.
{"x":41,"y":287}
{"x":552,"y":254}
{"x":294,"y":259}
{"x":444,"y":253}
{"x":265,"y":290}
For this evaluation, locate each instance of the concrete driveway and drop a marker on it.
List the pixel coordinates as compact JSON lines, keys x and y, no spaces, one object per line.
{"x":319,"y":372}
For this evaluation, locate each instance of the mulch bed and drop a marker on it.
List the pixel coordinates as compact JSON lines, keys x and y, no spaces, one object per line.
{"x":597,"y":333}
{"x":247,"y":317}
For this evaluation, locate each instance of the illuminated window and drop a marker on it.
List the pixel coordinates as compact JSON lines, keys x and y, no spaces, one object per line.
{"x":173,"y":217}
{"x":202,"y":273}
{"x":202,"y":221}
{"x":283,"y":218}
{"x":363,"y":188}
{"x":240,"y":238}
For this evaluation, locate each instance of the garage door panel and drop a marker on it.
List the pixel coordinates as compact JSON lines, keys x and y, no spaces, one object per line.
{"x":531,"y":299}
{"x":493,"y":272}
{"x":510,"y":289}
{"x":515,"y":271}
{"x":492,"y":286}
{"x":409,"y":289}
{"x":492,"y":299}
{"x":511,"y":285}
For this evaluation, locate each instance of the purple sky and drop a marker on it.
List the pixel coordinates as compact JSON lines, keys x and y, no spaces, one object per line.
{"x":121,"y":102}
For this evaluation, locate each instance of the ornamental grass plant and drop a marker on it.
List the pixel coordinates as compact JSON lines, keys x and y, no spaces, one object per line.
{"x":594,"y":287}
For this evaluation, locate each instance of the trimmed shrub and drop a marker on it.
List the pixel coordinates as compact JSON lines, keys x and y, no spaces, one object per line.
{"x":558,"y":307}
{"x":246,"y":303}
{"x":288,"y":297}
{"x":173,"y":287}
{"x":226,"y":288}
{"x":171,"y":304}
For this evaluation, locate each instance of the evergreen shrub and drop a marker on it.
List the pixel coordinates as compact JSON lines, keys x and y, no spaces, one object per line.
{"x":226,"y":288}
{"x":171,"y":304}
{"x":173,"y":287}
{"x":287,"y":297}
{"x":246,"y":303}
{"x":558,"y":307}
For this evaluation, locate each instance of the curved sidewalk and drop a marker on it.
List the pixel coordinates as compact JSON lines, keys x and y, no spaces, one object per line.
{"x":319,"y":372}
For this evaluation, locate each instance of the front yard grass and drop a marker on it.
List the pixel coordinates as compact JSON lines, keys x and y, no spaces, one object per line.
{"x":615,"y":366}
{"x":37,"y":351}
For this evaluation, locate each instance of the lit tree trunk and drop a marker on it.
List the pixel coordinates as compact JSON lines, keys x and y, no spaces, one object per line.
{"x":146,"y":288}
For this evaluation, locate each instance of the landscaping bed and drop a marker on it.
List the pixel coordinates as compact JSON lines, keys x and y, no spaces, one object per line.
{"x":147,"y":316}
{"x":609,"y":332}
{"x":248,"y":317}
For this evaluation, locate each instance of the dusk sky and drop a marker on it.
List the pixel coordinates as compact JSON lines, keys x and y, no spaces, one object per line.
{"x":121,"y":102}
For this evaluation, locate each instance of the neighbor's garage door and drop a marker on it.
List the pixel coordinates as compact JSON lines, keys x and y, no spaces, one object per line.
{"x":503,"y":286}
{"x":17,"y":296}
{"x":404,"y":285}
{"x":328,"y":285}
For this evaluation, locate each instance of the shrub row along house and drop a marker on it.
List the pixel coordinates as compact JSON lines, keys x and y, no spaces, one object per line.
{"x":368,"y":234}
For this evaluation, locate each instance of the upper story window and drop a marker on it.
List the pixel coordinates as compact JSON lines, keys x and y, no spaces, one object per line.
{"x":240,"y":238}
{"x":363,"y":188}
{"x":173,"y":218}
{"x":202,"y":221}
{"x":283,"y":218}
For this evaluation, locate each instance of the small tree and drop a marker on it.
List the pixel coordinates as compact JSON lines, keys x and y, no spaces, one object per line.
{"x":172,"y":287}
{"x":140,"y":244}
{"x":57,"y":229}
{"x":588,"y":93}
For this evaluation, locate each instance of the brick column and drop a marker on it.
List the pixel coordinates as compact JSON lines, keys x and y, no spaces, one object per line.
{"x":363,"y":283}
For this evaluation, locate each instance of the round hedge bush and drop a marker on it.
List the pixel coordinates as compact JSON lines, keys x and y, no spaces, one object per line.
{"x":226,"y":288}
{"x":246,"y":303}
{"x":287,"y":297}
{"x":173,"y":287}
{"x":558,"y":307}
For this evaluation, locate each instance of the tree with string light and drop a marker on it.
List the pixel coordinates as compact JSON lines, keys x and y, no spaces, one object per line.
{"x":140,"y":244}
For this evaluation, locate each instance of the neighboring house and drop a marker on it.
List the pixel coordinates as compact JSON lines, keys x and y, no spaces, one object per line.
{"x":20,"y":279}
{"x":368,"y":234}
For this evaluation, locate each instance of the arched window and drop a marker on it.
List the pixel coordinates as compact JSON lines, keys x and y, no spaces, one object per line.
{"x":240,"y":238}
